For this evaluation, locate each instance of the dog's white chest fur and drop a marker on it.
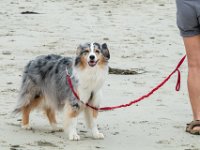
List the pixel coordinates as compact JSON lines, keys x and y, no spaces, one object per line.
{"x":90,"y":80}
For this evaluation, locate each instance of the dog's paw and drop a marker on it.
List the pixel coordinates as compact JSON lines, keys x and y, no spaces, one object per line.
{"x":55,"y":128}
{"x":98,"y":136}
{"x":26,"y":127}
{"x":74,"y":137}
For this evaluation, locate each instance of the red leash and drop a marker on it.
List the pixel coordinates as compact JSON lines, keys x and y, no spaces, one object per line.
{"x":139,"y":99}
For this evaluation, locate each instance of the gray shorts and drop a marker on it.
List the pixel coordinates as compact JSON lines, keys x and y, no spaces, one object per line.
{"x":188,"y":17}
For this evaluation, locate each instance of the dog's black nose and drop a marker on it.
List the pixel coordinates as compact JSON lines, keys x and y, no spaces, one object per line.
{"x":92,"y":57}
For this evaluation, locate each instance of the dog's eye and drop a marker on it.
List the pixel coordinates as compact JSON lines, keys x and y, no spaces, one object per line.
{"x":97,"y":51}
{"x":85,"y":52}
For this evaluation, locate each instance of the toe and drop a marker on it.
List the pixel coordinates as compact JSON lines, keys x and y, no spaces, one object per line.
{"x":99,"y":136}
{"x":26,"y":127}
{"x":74,"y":137}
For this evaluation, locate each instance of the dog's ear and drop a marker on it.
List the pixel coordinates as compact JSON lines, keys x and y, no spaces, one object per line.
{"x":79,"y":49}
{"x":105,"y":51}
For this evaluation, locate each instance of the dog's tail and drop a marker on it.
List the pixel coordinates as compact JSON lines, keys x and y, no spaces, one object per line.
{"x":16,"y":111}
{"x":23,"y":101}
{"x":18,"y":108}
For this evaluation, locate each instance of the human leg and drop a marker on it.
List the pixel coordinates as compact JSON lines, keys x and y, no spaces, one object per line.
{"x":192,"y":46}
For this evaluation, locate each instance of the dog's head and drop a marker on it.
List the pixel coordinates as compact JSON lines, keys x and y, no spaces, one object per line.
{"x":92,"y":54}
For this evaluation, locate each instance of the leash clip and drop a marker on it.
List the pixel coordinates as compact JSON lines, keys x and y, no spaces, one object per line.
{"x":67,"y":73}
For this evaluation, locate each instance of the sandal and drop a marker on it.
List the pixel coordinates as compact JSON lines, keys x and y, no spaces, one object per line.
{"x":191,"y":125}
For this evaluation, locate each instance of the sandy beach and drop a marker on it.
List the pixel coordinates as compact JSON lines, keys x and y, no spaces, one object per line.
{"x":141,"y":35}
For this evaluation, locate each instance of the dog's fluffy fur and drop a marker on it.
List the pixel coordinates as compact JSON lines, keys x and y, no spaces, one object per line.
{"x":44,"y":85}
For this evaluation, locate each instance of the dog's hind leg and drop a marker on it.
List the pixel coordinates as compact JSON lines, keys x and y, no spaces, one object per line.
{"x":26,"y":111}
{"x":51,"y":116}
{"x":70,"y":123}
{"x":52,"y":119}
{"x":25,"y":117}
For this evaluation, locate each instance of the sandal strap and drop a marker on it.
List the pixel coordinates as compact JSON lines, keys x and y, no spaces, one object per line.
{"x":192,"y":124}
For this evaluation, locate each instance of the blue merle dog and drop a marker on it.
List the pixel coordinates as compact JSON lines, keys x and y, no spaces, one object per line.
{"x":44,"y":86}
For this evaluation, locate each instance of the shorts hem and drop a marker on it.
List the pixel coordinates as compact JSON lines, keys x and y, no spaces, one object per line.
{"x":190,"y":33}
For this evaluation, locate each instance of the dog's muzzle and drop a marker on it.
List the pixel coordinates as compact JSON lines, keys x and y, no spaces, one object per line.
{"x":92,"y":63}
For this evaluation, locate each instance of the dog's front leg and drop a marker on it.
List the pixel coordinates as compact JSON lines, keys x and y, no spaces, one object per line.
{"x":71,"y":123}
{"x":91,"y":117}
{"x":91,"y":120}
